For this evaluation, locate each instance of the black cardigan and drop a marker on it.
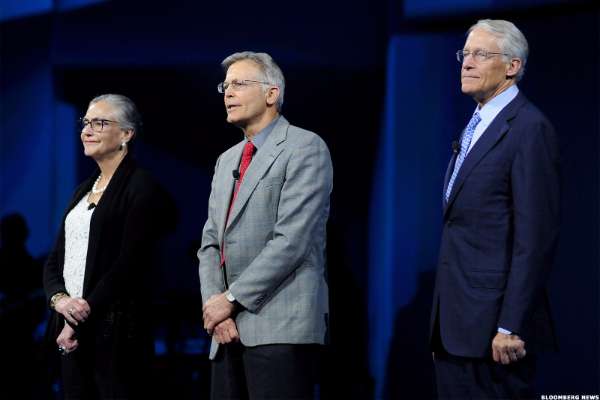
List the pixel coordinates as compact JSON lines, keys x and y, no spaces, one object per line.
{"x":132,"y":214}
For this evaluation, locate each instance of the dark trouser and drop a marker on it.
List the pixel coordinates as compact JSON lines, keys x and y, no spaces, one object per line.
{"x":106,"y":372}
{"x":276,"y":371}
{"x":474,"y":378}
{"x":464,"y":378}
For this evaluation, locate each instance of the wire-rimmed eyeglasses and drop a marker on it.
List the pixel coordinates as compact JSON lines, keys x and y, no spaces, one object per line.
{"x":479,"y":55}
{"x":238,"y":85}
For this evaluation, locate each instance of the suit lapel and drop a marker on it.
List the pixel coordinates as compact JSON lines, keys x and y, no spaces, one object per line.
{"x":494,"y":132}
{"x":260,"y":164}
{"x":449,"y":170}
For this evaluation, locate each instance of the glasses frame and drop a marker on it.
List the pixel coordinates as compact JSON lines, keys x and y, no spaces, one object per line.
{"x":479,"y":55}
{"x":239,"y":85}
{"x":94,"y":123}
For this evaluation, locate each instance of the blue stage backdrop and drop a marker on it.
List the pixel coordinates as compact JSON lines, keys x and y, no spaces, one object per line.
{"x":37,"y":136}
{"x":10,"y":9}
{"x":422,"y":115}
{"x":420,"y":8}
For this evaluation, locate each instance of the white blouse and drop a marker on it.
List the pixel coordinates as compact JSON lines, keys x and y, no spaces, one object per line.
{"x":77,"y":233}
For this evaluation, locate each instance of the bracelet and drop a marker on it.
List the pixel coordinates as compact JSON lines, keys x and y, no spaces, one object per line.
{"x":55,"y":298}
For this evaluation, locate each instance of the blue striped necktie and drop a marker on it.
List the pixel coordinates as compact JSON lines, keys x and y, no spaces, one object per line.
{"x":464,"y":147}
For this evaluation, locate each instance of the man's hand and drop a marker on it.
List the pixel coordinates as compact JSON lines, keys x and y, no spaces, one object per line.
{"x":508,"y":348}
{"x":74,"y":309}
{"x":216,"y":309}
{"x":66,"y":341}
{"x":226,"y":332}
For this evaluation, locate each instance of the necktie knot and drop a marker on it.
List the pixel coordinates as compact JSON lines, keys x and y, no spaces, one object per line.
{"x":247,"y":154}
{"x":248,"y":151}
{"x":468,"y":134}
{"x":475,"y":120}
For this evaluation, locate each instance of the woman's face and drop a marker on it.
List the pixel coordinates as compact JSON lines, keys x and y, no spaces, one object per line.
{"x":102,"y":135}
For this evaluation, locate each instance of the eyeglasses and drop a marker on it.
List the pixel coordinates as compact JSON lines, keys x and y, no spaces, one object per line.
{"x":479,"y":55}
{"x":97,"y":124}
{"x":238,"y":85}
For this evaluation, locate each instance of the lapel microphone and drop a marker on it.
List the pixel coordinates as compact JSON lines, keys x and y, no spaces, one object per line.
{"x":455,"y":146}
{"x":236,"y":174}
{"x":91,"y":206}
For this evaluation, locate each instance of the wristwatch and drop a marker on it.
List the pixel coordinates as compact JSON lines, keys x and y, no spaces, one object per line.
{"x":56,"y":297}
{"x":229,"y":297}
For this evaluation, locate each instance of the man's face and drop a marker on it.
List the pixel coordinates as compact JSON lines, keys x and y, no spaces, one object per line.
{"x":482,"y":80}
{"x":247,"y":104}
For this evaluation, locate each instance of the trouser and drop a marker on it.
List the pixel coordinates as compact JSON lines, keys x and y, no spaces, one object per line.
{"x":276,"y":371}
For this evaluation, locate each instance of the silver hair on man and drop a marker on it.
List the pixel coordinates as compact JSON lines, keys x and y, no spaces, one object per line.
{"x":128,"y":114}
{"x":510,"y":40}
{"x":270,"y":70}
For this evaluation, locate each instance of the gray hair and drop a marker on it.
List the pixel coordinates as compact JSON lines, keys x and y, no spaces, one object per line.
{"x":127,"y":113}
{"x":270,"y":70}
{"x":510,"y":40}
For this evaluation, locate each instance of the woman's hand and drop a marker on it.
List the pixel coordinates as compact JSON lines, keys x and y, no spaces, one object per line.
{"x":66,"y":340}
{"x":74,"y":309}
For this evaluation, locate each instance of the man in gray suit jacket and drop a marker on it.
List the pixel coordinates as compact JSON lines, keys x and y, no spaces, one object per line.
{"x":262,"y":259}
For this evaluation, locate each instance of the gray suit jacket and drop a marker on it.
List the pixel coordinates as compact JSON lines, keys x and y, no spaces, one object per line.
{"x":274,"y":240}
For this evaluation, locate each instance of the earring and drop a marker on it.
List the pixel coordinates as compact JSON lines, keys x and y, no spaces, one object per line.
{"x":123,"y":145}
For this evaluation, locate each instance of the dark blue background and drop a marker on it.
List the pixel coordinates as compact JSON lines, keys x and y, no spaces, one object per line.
{"x":379,"y":82}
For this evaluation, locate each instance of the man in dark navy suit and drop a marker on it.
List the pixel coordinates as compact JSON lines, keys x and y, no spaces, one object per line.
{"x":501,"y":216}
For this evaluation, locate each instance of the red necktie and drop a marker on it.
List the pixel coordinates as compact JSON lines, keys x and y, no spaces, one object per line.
{"x":246,"y":158}
{"x":247,"y":154}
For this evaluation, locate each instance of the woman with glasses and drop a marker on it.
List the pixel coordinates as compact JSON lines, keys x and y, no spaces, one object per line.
{"x":96,"y":277}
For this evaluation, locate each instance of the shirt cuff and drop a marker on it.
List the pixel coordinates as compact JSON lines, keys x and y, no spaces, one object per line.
{"x":502,"y":330}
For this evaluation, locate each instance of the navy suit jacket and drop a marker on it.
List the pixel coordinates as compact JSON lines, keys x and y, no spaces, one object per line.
{"x":499,"y":236}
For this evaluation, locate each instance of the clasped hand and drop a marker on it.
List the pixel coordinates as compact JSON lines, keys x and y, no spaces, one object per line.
{"x":508,"y":349}
{"x":67,"y":341}
{"x":215,"y":311}
{"x":74,"y":309}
